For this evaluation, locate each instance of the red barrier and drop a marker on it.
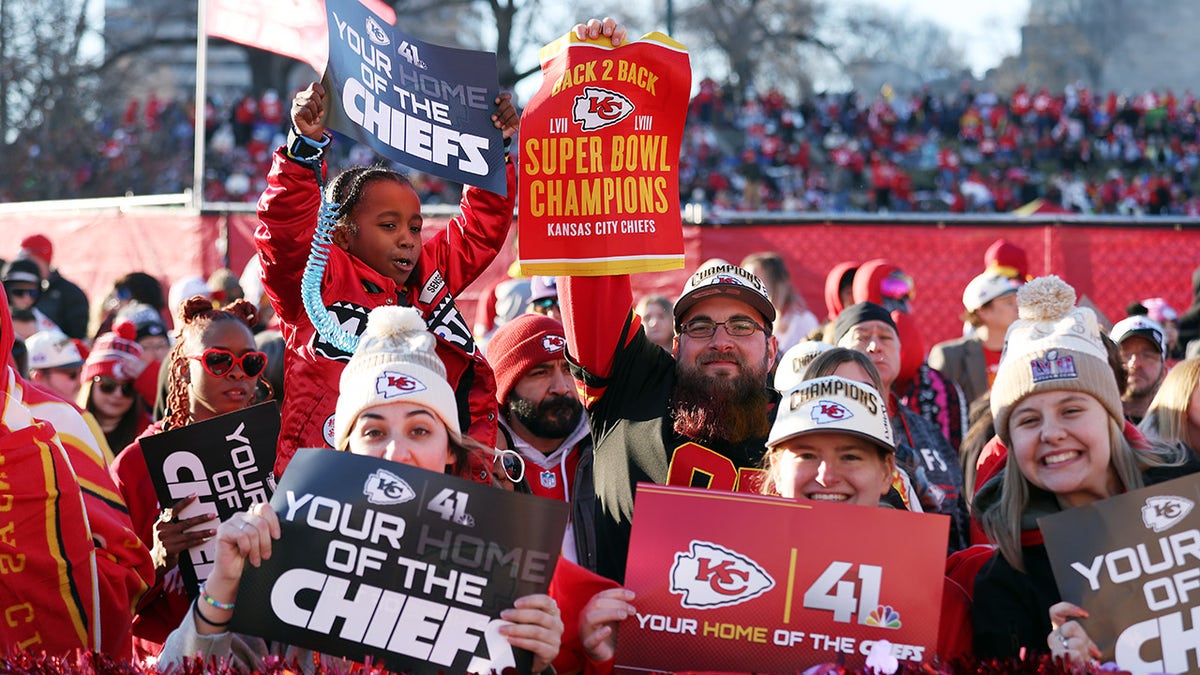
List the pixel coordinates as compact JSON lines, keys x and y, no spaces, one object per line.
{"x":1109,"y":264}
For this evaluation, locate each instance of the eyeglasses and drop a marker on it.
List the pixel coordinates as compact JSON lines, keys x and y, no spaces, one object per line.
{"x":702,"y":329}
{"x":110,"y":386}
{"x":218,"y":362}
{"x":512,"y":463}
{"x":545,"y":304}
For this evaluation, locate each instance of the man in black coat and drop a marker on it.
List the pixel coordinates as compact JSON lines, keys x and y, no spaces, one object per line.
{"x":61,"y":301}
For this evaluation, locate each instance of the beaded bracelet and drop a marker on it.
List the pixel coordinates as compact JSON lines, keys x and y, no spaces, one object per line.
{"x":210,"y":600}
{"x":205,"y":619}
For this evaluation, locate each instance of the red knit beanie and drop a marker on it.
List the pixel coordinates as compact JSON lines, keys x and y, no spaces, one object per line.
{"x":521,"y":344}
{"x":39,"y":245}
{"x":1008,"y":259}
{"x":115,"y":354}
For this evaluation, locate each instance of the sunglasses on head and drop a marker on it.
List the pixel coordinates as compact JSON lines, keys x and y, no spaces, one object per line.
{"x":897,"y":286}
{"x":218,"y":362}
{"x":110,"y":386}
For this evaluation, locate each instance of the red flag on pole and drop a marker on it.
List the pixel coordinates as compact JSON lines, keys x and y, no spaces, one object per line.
{"x":293,"y":28}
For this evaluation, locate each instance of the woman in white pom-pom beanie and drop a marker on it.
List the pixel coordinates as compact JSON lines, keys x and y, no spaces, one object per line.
{"x":394,"y":403}
{"x":1057,"y":408}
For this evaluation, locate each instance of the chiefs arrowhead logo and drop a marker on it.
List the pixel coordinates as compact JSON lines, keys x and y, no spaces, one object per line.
{"x":1161,"y":513}
{"x":597,"y":108}
{"x":376,"y":32}
{"x":825,"y":412}
{"x":390,"y":384}
{"x":384,"y":487}
{"x":553,"y":343}
{"x":710,"y":575}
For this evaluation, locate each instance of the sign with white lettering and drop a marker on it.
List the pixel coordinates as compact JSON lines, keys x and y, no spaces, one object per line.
{"x":425,"y":106}
{"x":225,"y":461}
{"x":791,"y":592}
{"x":1133,"y":561}
{"x":405,"y":565}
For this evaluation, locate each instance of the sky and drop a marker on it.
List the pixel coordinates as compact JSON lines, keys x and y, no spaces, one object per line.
{"x":986,"y":30}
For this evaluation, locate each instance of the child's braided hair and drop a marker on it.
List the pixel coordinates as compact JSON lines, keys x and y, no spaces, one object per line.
{"x":347,"y":189}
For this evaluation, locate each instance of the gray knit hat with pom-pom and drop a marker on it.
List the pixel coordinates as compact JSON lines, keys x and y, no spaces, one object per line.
{"x":1053,"y":345}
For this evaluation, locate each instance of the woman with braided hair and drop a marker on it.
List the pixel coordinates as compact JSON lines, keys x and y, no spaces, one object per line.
{"x":215,"y":368}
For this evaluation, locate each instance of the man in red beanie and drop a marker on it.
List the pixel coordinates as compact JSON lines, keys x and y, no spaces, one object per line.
{"x":541,"y":416}
{"x":61,"y":301}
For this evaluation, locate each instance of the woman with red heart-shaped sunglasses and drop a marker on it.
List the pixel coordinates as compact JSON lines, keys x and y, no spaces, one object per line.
{"x":214,"y":368}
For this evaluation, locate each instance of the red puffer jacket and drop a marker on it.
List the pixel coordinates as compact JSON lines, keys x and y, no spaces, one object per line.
{"x":449,"y":261}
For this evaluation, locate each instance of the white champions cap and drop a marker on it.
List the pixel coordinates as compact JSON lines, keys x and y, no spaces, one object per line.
{"x":834,"y":404}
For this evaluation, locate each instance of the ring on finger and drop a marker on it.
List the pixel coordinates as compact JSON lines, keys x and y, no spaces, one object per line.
{"x":242,"y":526}
{"x":1064,"y":639}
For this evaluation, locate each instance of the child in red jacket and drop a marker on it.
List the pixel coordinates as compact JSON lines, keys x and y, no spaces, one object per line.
{"x":377,"y":259}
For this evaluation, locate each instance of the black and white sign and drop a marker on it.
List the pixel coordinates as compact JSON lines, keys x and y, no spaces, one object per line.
{"x":420,"y":104}
{"x":406,"y":565}
{"x":225,"y":461}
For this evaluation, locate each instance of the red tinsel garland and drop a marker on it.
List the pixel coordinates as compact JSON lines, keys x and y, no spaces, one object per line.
{"x":94,"y":663}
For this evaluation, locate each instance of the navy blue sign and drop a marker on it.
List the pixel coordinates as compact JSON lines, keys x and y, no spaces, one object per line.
{"x":425,"y":106}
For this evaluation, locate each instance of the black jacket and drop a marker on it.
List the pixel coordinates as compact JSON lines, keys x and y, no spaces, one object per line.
{"x":65,"y":304}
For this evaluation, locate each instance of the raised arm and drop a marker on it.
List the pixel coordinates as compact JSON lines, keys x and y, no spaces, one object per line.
{"x":287,"y":209}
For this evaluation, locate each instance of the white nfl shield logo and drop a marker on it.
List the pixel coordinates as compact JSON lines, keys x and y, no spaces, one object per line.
{"x":549,"y":480}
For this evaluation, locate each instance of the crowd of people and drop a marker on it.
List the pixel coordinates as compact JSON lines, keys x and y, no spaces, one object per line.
{"x":973,"y":150}
{"x":728,"y":386}
{"x":970,"y":150}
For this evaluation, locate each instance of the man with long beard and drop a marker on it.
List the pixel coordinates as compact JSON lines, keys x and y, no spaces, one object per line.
{"x":541,"y":416}
{"x":699,"y":419}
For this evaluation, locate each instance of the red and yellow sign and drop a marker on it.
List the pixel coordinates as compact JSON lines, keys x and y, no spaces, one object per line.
{"x":748,"y":583}
{"x":599,"y":157}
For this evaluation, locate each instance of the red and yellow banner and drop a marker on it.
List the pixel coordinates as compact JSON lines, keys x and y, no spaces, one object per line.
{"x":599,"y":163}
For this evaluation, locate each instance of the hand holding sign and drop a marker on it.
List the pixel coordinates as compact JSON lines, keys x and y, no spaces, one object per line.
{"x":245,"y":536}
{"x":506,"y":118}
{"x":535,"y":626}
{"x":175,"y":533}
{"x":1069,"y":639}
{"x":595,"y":28}
{"x":308,"y":111}
{"x":599,"y":620}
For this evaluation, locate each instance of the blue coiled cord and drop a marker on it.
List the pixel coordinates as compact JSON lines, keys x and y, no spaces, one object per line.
{"x":314,"y":270}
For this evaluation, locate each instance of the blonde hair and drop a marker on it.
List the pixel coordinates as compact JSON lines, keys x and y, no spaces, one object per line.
{"x":1166,"y":419}
{"x":1004,"y":522}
